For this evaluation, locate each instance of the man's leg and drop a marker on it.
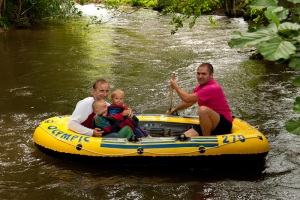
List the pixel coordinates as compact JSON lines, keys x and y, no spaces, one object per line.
{"x":191,"y":132}
{"x":208,"y":119}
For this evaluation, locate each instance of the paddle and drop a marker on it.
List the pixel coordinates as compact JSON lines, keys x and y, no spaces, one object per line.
{"x":171,"y":92}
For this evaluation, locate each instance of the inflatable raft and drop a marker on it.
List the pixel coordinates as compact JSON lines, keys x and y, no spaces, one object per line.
{"x":244,"y":144}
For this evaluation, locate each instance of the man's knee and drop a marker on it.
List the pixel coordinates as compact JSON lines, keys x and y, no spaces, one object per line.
{"x":203,"y":110}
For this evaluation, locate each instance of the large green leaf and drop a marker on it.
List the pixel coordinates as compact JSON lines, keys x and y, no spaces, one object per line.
{"x":294,"y":1}
{"x":276,"y":49}
{"x":260,"y":4}
{"x":293,"y":28}
{"x":296,"y":107}
{"x":293,"y":126}
{"x":289,"y":30}
{"x":295,"y":63}
{"x":296,"y":11}
{"x":296,"y":82}
{"x":281,"y":12}
{"x":271,"y":16}
{"x":289,"y":25}
{"x":255,"y":38}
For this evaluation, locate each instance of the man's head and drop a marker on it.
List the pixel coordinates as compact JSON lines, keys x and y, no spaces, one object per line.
{"x":100,"y":89}
{"x":205,"y":72}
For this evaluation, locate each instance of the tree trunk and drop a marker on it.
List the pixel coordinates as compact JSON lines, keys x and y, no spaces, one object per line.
{"x":1,"y":8}
{"x":230,"y":8}
{"x":233,"y":8}
{"x":227,"y":8}
{"x":19,"y":10}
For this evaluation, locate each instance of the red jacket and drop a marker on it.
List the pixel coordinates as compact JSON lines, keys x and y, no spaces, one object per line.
{"x":115,"y":111}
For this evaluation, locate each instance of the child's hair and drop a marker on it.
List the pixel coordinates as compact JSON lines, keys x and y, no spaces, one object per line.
{"x":115,"y":92}
{"x":97,"y":102}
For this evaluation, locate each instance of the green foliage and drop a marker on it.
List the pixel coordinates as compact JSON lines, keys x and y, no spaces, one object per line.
{"x":3,"y":23}
{"x":295,"y":63}
{"x":293,"y":126}
{"x":212,"y":22}
{"x":261,"y":4}
{"x":296,"y":82}
{"x":189,"y":10}
{"x":136,"y":3}
{"x":27,"y":12}
{"x":257,"y":15}
{"x":279,"y":41}
{"x":277,"y":49}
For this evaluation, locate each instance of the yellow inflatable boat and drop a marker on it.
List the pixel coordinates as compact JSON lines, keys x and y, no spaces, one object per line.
{"x":245,"y":144}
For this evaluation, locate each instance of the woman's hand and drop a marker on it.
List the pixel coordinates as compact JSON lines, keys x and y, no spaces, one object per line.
{"x":97,"y":132}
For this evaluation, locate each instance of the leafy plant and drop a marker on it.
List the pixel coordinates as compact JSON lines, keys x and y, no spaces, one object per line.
{"x":278,"y":41}
{"x":188,"y":10}
{"x":27,"y":12}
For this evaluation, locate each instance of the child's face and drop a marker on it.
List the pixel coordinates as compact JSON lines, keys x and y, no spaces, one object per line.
{"x":101,"y":108}
{"x":118,"y":99}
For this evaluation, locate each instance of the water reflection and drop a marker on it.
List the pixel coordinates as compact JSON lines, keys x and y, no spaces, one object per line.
{"x":45,"y":72}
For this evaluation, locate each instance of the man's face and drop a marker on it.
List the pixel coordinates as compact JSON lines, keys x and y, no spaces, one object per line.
{"x":101,"y":91}
{"x":203,"y":75}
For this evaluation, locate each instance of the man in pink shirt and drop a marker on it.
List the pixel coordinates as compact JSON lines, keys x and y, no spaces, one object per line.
{"x":214,"y":112}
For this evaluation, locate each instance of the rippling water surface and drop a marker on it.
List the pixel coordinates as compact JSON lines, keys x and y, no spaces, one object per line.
{"x":45,"y":72}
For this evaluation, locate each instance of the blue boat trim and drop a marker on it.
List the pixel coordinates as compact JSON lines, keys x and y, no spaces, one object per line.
{"x":157,"y":146}
{"x":173,"y":116}
{"x":204,"y":140}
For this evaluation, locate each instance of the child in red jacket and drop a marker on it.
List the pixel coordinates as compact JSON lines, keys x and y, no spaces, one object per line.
{"x":124,"y":115}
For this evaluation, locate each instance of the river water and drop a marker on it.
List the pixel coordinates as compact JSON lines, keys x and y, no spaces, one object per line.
{"x":44,"y":72}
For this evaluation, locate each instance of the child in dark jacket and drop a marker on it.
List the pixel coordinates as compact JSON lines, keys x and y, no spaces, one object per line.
{"x":109,"y":125}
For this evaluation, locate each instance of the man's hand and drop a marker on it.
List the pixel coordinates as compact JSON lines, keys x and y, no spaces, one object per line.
{"x":97,"y":132}
{"x":174,"y":84}
{"x":170,"y":111}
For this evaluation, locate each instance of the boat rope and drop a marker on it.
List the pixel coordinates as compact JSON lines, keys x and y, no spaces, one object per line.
{"x":85,"y":149}
{"x":149,"y":151}
{"x":206,"y":149}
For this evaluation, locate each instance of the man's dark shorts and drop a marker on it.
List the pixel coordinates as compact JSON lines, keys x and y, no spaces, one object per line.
{"x":224,"y":127}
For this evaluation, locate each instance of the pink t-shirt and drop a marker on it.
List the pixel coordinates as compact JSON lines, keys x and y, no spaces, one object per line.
{"x":213,"y":97}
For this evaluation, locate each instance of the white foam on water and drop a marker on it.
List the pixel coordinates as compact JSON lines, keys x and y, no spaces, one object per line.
{"x":97,"y":10}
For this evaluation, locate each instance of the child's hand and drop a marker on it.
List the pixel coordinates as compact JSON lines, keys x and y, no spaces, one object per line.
{"x":102,"y":111}
{"x":130,"y":113}
{"x":126,"y":112}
